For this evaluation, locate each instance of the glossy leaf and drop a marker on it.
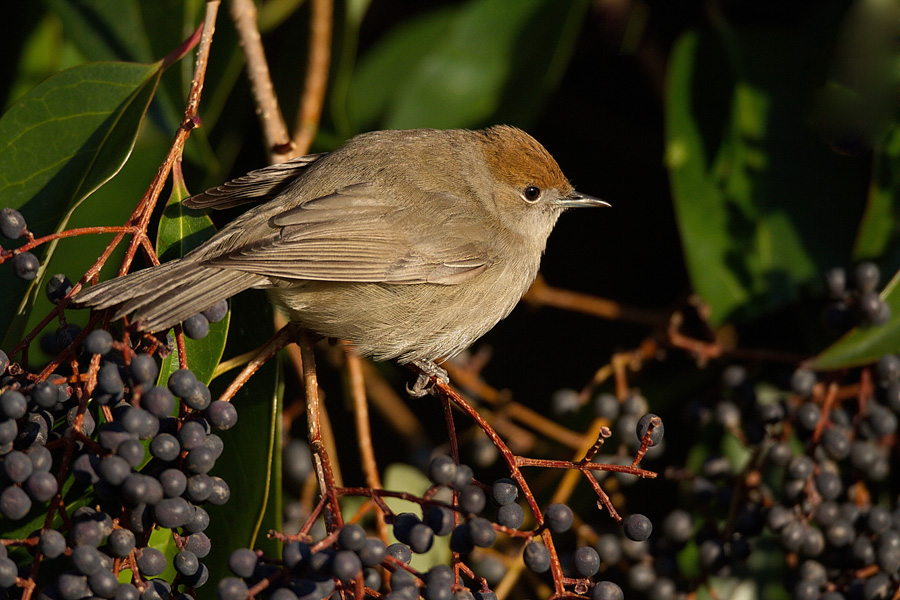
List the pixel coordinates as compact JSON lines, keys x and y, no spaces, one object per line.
{"x":864,"y":345}
{"x":109,"y":206}
{"x":749,"y":179}
{"x":59,"y":143}
{"x":181,"y":230}
{"x":458,"y":67}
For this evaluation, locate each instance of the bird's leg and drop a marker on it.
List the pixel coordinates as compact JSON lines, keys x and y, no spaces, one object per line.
{"x":424,"y":385}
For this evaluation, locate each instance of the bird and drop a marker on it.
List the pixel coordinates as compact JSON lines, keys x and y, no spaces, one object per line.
{"x":408,"y":244}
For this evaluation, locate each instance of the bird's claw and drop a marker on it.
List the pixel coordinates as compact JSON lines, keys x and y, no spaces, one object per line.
{"x":425,"y":382}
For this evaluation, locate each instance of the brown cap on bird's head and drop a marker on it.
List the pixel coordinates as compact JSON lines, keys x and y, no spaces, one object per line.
{"x":516,"y":158}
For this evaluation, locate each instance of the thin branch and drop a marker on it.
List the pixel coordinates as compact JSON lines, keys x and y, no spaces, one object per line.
{"x":275,"y":132}
{"x":316,"y":84}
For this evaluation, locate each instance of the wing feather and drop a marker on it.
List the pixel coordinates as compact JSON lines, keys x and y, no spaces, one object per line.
{"x":255,"y":187}
{"x":358,"y":234}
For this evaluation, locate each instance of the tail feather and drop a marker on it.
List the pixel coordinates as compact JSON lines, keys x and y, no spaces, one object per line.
{"x":199,"y":293}
{"x":162,"y":296}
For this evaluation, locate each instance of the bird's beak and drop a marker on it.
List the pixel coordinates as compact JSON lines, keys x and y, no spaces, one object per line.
{"x":577,"y":199}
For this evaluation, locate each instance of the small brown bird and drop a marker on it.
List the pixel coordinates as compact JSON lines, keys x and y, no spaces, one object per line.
{"x":409,"y":244}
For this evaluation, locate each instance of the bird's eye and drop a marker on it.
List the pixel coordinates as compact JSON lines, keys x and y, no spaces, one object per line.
{"x":531,"y":193}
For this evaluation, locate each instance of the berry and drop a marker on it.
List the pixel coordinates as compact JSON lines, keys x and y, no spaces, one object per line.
{"x":802,"y":381}
{"x":86,"y":559}
{"x":504,"y":491}
{"x":14,"y":503}
{"x":536,"y":557}
{"x":558,"y":517}
{"x":565,"y":401}
{"x":221,"y":415}
{"x":401,"y":552}
{"x":57,"y":287}
{"x":242,"y":562}
{"x":196,"y":327}
{"x":511,"y":515}
{"x":109,"y":380}
{"x":440,"y":520}
{"x":143,"y":369}
{"x":151,"y":562}
{"x":346,"y":565}
{"x":13,"y":405}
{"x":352,"y":537}
{"x":231,"y":588}
{"x":606,"y":406}
{"x":472,"y":499}
{"x":637,"y":527}
{"x":98,"y":341}
{"x":442,"y":469}
{"x":165,"y":447}
{"x":866,"y":276}
{"x":586,"y":561}
{"x":12,"y":224}
{"x":462,"y":478}
{"x":421,"y":538}
{"x":481,"y":532}
{"x":52,"y":543}
{"x":372,"y":552}
{"x":607,"y":590}
{"x":216,"y":312}
{"x":121,"y":542}
{"x":158,"y":401}
{"x":643,"y":426}
{"x":182,"y":382}
{"x":26,"y":265}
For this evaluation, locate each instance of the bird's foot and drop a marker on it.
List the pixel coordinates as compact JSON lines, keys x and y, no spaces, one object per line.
{"x":428,"y":372}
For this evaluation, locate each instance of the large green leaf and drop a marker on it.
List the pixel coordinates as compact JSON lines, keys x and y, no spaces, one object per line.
{"x":59,"y":143}
{"x":458,"y":67}
{"x":763,"y":204}
{"x":865,"y":345}
{"x":182,"y":229}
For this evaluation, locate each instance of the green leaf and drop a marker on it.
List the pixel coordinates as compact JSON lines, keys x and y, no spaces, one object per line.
{"x":763,"y":204}
{"x":864,"y":345}
{"x":251,"y":461}
{"x":135,"y":31}
{"x":105,"y":30}
{"x":182,"y":229}
{"x":111,"y":205}
{"x":62,"y":141}
{"x":69,"y":135}
{"x":458,"y":67}
{"x":879,"y":232}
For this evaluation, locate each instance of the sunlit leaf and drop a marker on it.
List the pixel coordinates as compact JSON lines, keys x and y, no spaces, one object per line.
{"x":182,"y":229}
{"x":59,"y":143}
{"x":456,"y":67}
{"x":749,"y":179}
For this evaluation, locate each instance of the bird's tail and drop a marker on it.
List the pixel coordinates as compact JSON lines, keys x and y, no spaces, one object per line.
{"x":159,"y":297}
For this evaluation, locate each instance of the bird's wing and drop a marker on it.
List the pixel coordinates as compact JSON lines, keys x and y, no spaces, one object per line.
{"x":255,"y":187}
{"x":356,"y":235}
